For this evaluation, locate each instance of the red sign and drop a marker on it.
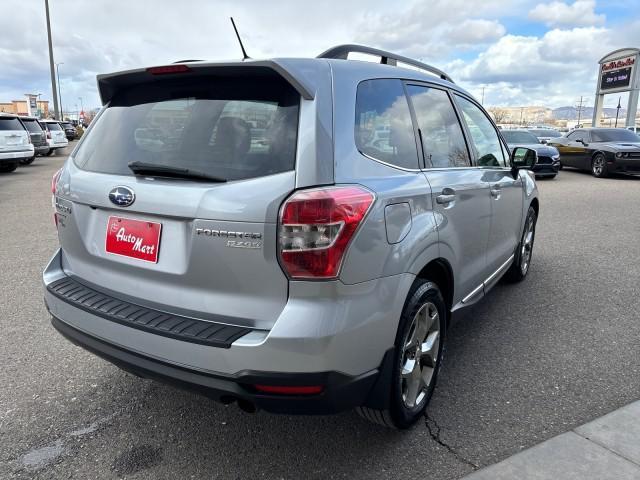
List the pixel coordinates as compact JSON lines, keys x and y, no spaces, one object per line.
{"x":625,"y":62}
{"x":133,"y":238}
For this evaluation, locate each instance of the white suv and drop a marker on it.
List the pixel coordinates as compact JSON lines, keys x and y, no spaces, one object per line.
{"x":14,"y":143}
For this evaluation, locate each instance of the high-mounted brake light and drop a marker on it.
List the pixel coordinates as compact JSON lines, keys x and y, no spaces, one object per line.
{"x":167,"y":69}
{"x":290,"y":390}
{"x":316,"y":226}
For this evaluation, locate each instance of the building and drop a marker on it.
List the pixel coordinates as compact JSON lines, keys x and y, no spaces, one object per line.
{"x":19,"y":107}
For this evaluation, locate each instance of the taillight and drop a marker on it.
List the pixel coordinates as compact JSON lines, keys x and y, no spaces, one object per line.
{"x":168,"y":69}
{"x":316,"y":227}
{"x":54,"y":189}
{"x":48,"y":134}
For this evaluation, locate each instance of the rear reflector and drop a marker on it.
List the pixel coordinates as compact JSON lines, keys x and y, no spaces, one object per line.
{"x":316,"y":226}
{"x":290,"y":390}
{"x":167,"y":69}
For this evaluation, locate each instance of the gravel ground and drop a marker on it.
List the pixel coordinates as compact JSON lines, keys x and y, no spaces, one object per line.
{"x":526,"y":363}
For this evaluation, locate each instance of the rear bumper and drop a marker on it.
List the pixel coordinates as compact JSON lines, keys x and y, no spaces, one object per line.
{"x":328,"y":332}
{"x":41,"y":149}
{"x":16,"y":155}
{"x":341,"y":392}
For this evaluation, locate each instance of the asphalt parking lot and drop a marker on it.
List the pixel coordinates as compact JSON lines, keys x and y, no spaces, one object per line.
{"x":528,"y":362}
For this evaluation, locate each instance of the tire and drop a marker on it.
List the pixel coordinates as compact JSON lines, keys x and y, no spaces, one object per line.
{"x":8,"y":167}
{"x":27,"y":161}
{"x":599,"y":166}
{"x":50,"y":152}
{"x":421,"y":332}
{"x":521,"y":264}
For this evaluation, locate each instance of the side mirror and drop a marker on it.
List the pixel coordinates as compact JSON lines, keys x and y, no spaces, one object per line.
{"x":544,"y":141}
{"x":523,"y":158}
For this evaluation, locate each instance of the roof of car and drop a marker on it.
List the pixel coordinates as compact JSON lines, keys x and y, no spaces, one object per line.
{"x":301,"y":73}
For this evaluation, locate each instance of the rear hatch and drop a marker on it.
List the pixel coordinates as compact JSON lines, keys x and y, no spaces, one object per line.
{"x":13,"y":137}
{"x":171,"y":200}
{"x":57,"y":135}
{"x":36,"y":134}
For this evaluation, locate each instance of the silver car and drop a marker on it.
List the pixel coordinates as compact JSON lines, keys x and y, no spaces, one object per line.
{"x":245,"y":229}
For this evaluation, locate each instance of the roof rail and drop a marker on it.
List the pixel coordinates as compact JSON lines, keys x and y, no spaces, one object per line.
{"x":388,"y":58}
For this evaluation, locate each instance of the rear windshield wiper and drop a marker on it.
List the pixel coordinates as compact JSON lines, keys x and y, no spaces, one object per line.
{"x":143,"y":168}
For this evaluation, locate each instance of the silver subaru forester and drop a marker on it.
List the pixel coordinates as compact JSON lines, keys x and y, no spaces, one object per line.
{"x":287,"y":234}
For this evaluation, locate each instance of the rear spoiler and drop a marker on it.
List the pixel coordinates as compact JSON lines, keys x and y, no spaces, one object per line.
{"x":293,"y":71}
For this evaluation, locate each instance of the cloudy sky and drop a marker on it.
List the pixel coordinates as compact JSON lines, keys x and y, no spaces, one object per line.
{"x":522,"y":52}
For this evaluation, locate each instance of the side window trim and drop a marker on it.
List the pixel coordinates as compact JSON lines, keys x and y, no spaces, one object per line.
{"x":503,"y":143}
{"x":423,"y":160}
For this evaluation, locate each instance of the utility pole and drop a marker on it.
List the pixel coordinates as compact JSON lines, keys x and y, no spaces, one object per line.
{"x":53,"y":74}
{"x":521,"y":113}
{"x":579,"y":107}
{"x":482,"y":101}
{"x":618,"y":111}
{"x":60,"y":89}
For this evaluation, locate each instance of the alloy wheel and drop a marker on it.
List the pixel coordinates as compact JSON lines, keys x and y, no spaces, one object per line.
{"x":527,"y":246}
{"x":598,"y":165}
{"x":420,"y":355}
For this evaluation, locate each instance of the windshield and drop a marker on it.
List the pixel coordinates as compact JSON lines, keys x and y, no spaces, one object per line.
{"x":10,"y":123}
{"x":618,"y":135}
{"x":546,"y":133}
{"x":519,"y":136}
{"x":227,"y":129}
{"x":32,"y":126}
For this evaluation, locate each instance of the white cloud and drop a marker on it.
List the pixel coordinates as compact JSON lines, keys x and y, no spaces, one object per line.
{"x":579,"y":13}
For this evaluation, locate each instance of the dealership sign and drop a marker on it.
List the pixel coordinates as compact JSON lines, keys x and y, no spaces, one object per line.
{"x":622,"y":63}
{"x":616,"y":79}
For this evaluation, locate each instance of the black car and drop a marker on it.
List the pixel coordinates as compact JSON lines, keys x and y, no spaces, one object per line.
{"x":38,"y":137}
{"x":603,"y":151}
{"x":69,"y":130}
{"x":548,"y":157}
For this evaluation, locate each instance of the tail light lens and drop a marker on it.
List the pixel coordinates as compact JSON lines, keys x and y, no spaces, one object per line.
{"x":316,"y":227}
{"x":48,"y":134}
{"x":54,"y":189}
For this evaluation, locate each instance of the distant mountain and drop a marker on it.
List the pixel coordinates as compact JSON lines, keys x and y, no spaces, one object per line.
{"x":571,"y":113}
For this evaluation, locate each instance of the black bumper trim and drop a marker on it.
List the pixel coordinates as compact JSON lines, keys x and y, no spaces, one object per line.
{"x":341,"y":392}
{"x":131,"y":315}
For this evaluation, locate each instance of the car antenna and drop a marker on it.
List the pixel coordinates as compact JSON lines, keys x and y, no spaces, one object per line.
{"x":244,"y":52}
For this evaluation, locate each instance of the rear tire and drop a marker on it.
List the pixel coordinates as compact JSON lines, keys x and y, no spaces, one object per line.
{"x":50,"y":152}
{"x":599,"y":166}
{"x":521,"y":264}
{"x":417,"y":359}
{"x":8,"y":167}
{"x":27,"y":161}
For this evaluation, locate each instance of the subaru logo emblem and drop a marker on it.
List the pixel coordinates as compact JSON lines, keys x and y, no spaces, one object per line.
{"x":122,"y":196}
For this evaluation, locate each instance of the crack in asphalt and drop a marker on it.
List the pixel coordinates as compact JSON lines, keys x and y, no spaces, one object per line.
{"x":434,"y":432}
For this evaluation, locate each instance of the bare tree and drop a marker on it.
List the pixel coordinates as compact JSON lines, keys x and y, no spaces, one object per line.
{"x":499,"y":114}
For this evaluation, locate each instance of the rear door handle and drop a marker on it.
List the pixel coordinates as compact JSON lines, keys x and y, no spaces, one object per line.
{"x":445,"y":199}
{"x":495,"y":192}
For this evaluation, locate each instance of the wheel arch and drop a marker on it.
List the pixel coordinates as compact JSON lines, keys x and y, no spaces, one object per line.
{"x":439,"y":271}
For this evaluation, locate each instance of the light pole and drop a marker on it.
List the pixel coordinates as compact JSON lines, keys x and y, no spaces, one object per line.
{"x":53,"y":75}
{"x":81,"y":110}
{"x":60,"y":89}
{"x":482,"y":101}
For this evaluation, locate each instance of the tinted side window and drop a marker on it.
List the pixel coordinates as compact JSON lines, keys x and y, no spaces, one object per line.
{"x":442,"y":138}
{"x":383,"y":126}
{"x":486,"y":142}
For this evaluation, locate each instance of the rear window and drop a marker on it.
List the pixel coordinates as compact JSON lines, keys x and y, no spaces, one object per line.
{"x":53,"y":126}
{"x":10,"y":124}
{"x":229,"y":128}
{"x":32,"y":126}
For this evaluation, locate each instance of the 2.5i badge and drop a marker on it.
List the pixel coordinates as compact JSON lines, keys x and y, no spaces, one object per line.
{"x":133,"y":238}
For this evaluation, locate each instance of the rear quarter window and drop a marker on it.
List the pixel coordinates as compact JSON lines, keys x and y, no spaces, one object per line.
{"x":229,"y":129}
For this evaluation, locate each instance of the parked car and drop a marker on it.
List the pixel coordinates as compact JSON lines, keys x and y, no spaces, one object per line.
{"x":313,"y":274}
{"x":37,"y":136}
{"x":14,"y":143}
{"x":602,"y":151}
{"x":544,"y":135}
{"x":69,"y":130}
{"x":56,"y":137}
{"x":548,"y":162}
